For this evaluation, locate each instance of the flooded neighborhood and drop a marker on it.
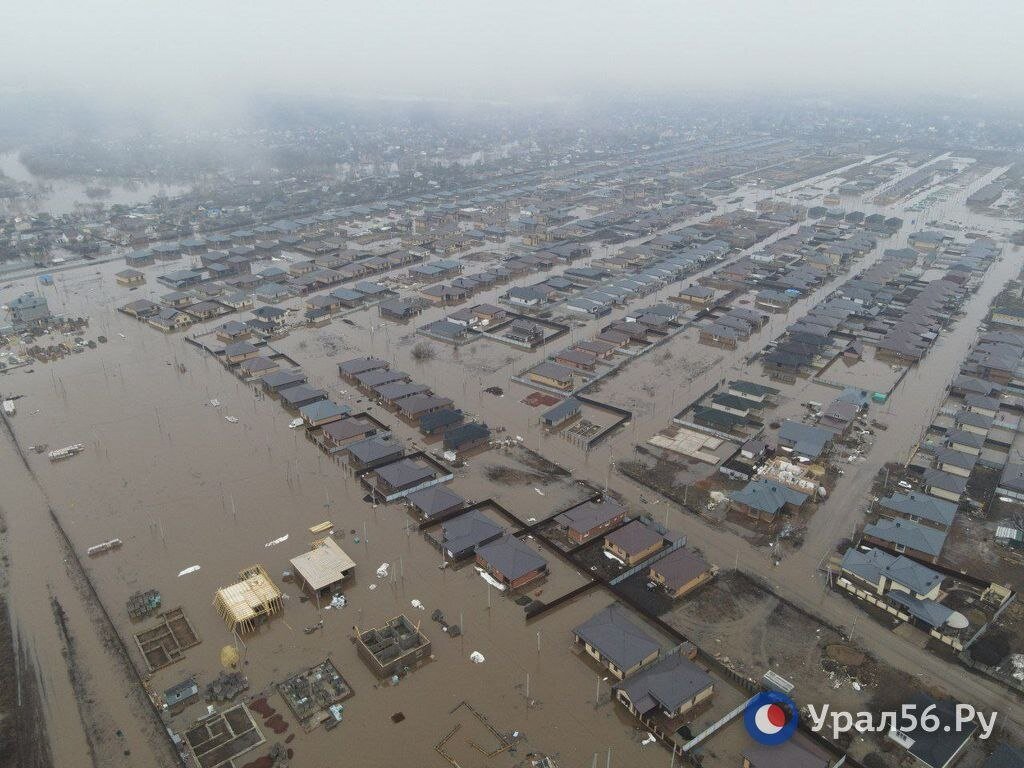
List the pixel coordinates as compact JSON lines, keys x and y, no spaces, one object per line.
{"x":358,"y":437}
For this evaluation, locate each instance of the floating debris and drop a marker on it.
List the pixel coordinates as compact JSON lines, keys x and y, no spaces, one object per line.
{"x":66,"y":452}
{"x":106,"y":546}
{"x":278,"y":540}
{"x":142,"y":604}
{"x":232,"y":419}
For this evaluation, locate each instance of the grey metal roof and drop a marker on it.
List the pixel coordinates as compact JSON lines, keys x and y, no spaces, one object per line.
{"x":612,"y":633}
{"x":404,"y":472}
{"x":767,"y":496}
{"x":511,"y":557}
{"x":680,"y":567}
{"x":375,"y":448}
{"x":874,"y":563}
{"x":469,"y":531}
{"x":590,"y":514}
{"x":922,"y":506}
{"x":668,"y":682}
{"x":437,"y":498}
{"x":908,"y":534}
{"x":634,"y":537}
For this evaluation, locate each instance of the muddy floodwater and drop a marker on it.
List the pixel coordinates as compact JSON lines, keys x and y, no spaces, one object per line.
{"x":60,"y":196}
{"x":188,"y":467}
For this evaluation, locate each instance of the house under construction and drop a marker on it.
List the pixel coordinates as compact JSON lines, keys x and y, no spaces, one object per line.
{"x":394,"y":648}
{"x":253,"y":599}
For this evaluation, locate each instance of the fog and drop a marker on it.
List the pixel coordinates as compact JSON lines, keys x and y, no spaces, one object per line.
{"x":202,"y":51}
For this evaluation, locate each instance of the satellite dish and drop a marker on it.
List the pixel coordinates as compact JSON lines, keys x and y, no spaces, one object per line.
{"x":957,"y":620}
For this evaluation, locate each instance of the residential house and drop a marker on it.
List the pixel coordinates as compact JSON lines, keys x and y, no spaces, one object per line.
{"x":591,"y":518}
{"x":466,"y":437}
{"x":671,"y":687}
{"x":942,"y":746}
{"x":435,"y":501}
{"x":919,"y":508}
{"x":919,"y":541}
{"x":462,"y":536}
{"x":613,"y":639}
{"x":680,"y":572}
{"x":551,"y":375}
{"x":764,"y":500}
{"x":239,"y":352}
{"x":511,"y":562}
{"x":633,"y":543}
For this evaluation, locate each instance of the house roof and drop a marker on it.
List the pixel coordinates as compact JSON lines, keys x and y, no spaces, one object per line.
{"x":323,"y":409}
{"x":323,"y":565}
{"x":1005,"y":756}
{"x":634,"y":537}
{"x":399,"y":389}
{"x":404,"y":472}
{"x":931,"y":612}
{"x":616,"y":637}
{"x":511,"y":557}
{"x":872,"y":564}
{"x":767,"y":496}
{"x":361,"y":365}
{"x":1012,"y":477}
{"x":807,"y":440}
{"x":590,"y":514}
{"x":469,"y":531}
{"x":552,"y":371}
{"x":752,"y":388}
{"x":922,"y":506}
{"x":680,"y":567}
{"x":668,"y":682}
{"x":375,"y":448}
{"x":465,"y":433}
{"x":936,"y":748}
{"x":380,"y":376}
{"x":441,"y":418}
{"x":566,"y":408}
{"x":794,"y":753}
{"x":908,"y":534}
{"x":435,"y":499}
{"x":346,"y":428}
{"x":301,"y":392}
{"x":944,"y":481}
{"x":419,"y":403}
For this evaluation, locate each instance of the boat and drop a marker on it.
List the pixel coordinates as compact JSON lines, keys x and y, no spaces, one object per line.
{"x":9,"y":408}
{"x":295,"y":423}
{"x":66,"y":452}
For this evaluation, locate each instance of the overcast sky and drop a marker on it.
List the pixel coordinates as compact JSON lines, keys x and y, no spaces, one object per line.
{"x":514,"y":50}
